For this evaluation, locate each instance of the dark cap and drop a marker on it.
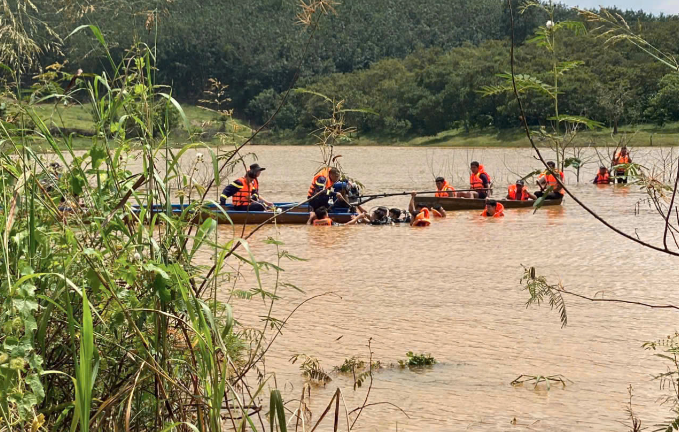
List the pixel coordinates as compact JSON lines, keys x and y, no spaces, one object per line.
{"x":491,"y":203}
{"x":519,"y":182}
{"x":256,"y":168}
{"x":440,"y":179}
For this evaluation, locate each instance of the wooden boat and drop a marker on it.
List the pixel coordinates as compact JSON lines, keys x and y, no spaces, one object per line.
{"x":291,"y":214}
{"x":453,"y":204}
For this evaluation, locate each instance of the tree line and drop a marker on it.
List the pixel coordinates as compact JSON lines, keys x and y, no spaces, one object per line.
{"x":417,"y":63}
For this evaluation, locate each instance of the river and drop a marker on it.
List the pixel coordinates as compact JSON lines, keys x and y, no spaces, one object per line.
{"x":453,"y":290}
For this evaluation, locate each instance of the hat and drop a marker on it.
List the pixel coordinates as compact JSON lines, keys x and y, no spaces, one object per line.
{"x":519,"y":182}
{"x":256,"y":168}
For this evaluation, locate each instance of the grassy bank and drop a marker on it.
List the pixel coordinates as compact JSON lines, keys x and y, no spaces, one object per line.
{"x":205,"y":125}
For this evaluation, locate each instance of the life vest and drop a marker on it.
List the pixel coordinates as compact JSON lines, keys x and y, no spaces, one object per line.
{"x":475,"y":179}
{"x":621,"y":160}
{"x":423,"y":218}
{"x":551,"y":180}
{"x":246,"y":193}
{"x":323,"y":222}
{"x":325,"y":173}
{"x":511,"y":193}
{"x":442,"y":193}
{"x":605,"y":179}
{"x":436,"y":213}
{"x":499,"y":211}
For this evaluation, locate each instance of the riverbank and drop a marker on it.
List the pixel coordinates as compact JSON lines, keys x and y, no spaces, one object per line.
{"x":206,"y":126}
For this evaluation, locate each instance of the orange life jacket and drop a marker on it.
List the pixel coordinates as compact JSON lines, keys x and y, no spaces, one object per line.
{"x":423,"y":218}
{"x":442,"y":193}
{"x":246,"y":193}
{"x":511,"y":193}
{"x":621,"y":160}
{"x":475,"y":179}
{"x":436,"y":213}
{"x":323,"y":222}
{"x":551,"y":180}
{"x":602,"y":179}
{"x":325,"y":172}
{"x":499,"y":211}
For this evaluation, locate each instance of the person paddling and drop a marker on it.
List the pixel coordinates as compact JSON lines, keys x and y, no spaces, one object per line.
{"x":493,"y":209}
{"x":479,"y":181}
{"x":603,"y":176}
{"x":518,"y":192}
{"x":244,"y":192}
{"x":444,"y":189}
{"x":622,"y":158}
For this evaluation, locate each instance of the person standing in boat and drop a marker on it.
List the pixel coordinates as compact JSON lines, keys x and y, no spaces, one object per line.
{"x":603,"y":176}
{"x":244,"y":192}
{"x":548,"y":179}
{"x":622,"y":158}
{"x":518,"y":192}
{"x":493,"y":209}
{"x":479,"y":182}
{"x":444,"y":189}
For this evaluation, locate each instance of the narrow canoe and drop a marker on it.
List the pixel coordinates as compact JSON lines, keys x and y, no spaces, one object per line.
{"x":452,"y":204}
{"x":299,"y":215}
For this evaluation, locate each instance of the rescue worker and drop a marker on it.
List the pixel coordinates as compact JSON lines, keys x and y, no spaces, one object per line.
{"x":321,"y":193}
{"x":621,"y":158}
{"x":398,"y":216}
{"x":319,"y":217}
{"x":493,"y":209}
{"x":244,"y":192}
{"x":547,"y":179}
{"x":518,"y":192}
{"x":421,"y":215}
{"x":603,"y":176}
{"x":444,"y":189}
{"x":479,"y":181}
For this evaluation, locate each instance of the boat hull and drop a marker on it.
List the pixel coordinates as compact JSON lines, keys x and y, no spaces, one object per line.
{"x":290,"y":215}
{"x":453,"y":204}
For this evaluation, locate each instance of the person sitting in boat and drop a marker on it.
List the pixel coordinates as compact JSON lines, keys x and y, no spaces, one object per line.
{"x":320,"y":217}
{"x":479,"y":182}
{"x":547,"y":180}
{"x":421,"y":215}
{"x":444,"y":189}
{"x":493,"y":209}
{"x":399,"y":216}
{"x":244,"y":192}
{"x":518,"y":192}
{"x":321,"y":192}
{"x":619,"y":160}
{"x":603,"y":176}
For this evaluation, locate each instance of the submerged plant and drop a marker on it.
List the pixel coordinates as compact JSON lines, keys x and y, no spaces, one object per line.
{"x":417,"y":360}
{"x":537,"y":379}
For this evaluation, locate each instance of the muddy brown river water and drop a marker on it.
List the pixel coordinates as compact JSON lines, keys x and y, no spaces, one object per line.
{"x":453,"y":290}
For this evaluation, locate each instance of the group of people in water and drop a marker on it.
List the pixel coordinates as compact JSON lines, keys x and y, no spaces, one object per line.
{"x":329,"y":191}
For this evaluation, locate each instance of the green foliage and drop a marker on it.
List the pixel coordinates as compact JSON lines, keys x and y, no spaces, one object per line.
{"x":540,"y":291}
{"x":311,"y":369}
{"x":417,"y":360}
